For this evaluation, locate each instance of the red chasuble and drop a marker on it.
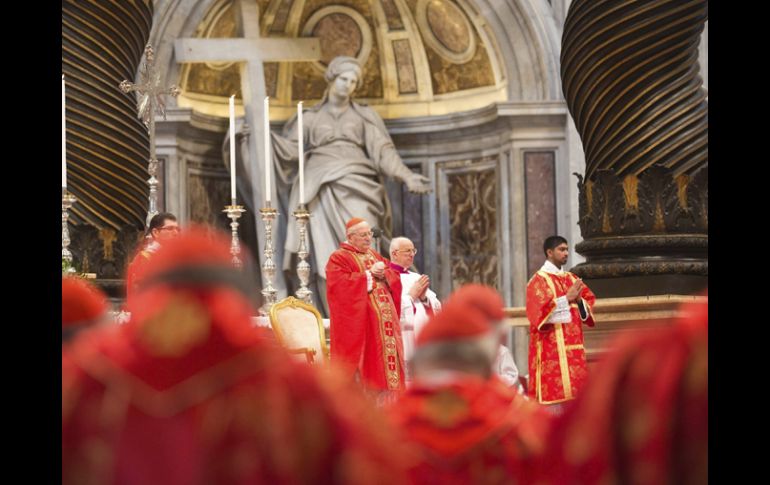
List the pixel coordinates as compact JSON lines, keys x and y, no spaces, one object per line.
{"x":470,"y":431}
{"x":557,"y":358}
{"x":188,"y":393}
{"x":365,"y":332}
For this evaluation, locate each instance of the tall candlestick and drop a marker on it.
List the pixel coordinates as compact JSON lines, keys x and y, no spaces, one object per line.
{"x":301,"y":152}
{"x":232,"y":148}
{"x":66,"y":256}
{"x":303,"y":267}
{"x":268,"y":266}
{"x":63,"y":136}
{"x":268,"y":164}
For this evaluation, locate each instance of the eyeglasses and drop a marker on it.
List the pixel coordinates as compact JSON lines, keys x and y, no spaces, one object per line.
{"x":170,"y":228}
{"x":412,"y":251}
{"x":363,"y":234}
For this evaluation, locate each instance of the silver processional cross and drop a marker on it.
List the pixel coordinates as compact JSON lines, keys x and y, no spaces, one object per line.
{"x":149,"y":103}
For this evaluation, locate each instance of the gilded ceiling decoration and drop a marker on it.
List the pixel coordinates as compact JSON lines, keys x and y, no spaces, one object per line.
{"x":420,"y":57}
{"x":446,"y":28}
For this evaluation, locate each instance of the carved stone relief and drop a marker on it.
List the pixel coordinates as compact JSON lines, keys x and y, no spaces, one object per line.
{"x":657,"y":202}
{"x":105,"y":252}
{"x":473,"y":245}
{"x":208,"y":194}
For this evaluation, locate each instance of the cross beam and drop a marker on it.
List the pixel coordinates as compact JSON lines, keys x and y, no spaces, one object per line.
{"x":250,"y":52}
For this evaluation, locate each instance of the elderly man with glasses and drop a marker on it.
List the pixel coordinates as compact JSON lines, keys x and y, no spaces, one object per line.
{"x":418,"y":301}
{"x":364,"y":295}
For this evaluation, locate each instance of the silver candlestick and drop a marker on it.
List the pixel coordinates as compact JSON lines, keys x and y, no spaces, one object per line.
{"x":152,"y":169}
{"x":234,"y":212}
{"x":303,"y":267}
{"x":67,"y":200}
{"x":268,"y":266}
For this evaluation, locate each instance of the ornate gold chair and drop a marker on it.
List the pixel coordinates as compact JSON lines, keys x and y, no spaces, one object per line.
{"x":298,"y":327}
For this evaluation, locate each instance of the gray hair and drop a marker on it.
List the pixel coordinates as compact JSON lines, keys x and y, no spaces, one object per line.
{"x":468,"y":355}
{"x":341,"y":64}
{"x":396,"y":241}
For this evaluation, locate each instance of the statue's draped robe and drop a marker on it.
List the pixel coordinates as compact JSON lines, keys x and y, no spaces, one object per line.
{"x":346,"y":159}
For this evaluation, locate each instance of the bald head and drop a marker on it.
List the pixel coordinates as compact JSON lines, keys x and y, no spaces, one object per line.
{"x":402,"y":251}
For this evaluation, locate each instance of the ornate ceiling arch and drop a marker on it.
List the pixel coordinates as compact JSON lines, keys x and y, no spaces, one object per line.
{"x":420,"y":57}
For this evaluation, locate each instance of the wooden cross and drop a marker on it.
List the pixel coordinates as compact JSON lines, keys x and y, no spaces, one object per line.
{"x":250,"y":52}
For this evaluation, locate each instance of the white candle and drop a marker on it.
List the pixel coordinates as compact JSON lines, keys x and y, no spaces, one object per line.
{"x":301,"y":152}
{"x":268,"y":164}
{"x":232,"y":148}
{"x":63,"y":136}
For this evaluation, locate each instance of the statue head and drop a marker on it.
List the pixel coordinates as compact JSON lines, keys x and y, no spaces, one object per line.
{"x":341,"y":64}
{"x":343,"y":75}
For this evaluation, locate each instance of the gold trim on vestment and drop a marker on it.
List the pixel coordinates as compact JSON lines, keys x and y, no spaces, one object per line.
{"x":538,"y":392}
{"x":563,"y":364}
{"x":389,"y":343}
{"x":560,"y":346}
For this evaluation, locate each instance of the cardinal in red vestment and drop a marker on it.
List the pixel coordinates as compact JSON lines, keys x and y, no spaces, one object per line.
{"x":460,"y":423}
{"x":188,"y":392}
{"x":364,"y":295}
